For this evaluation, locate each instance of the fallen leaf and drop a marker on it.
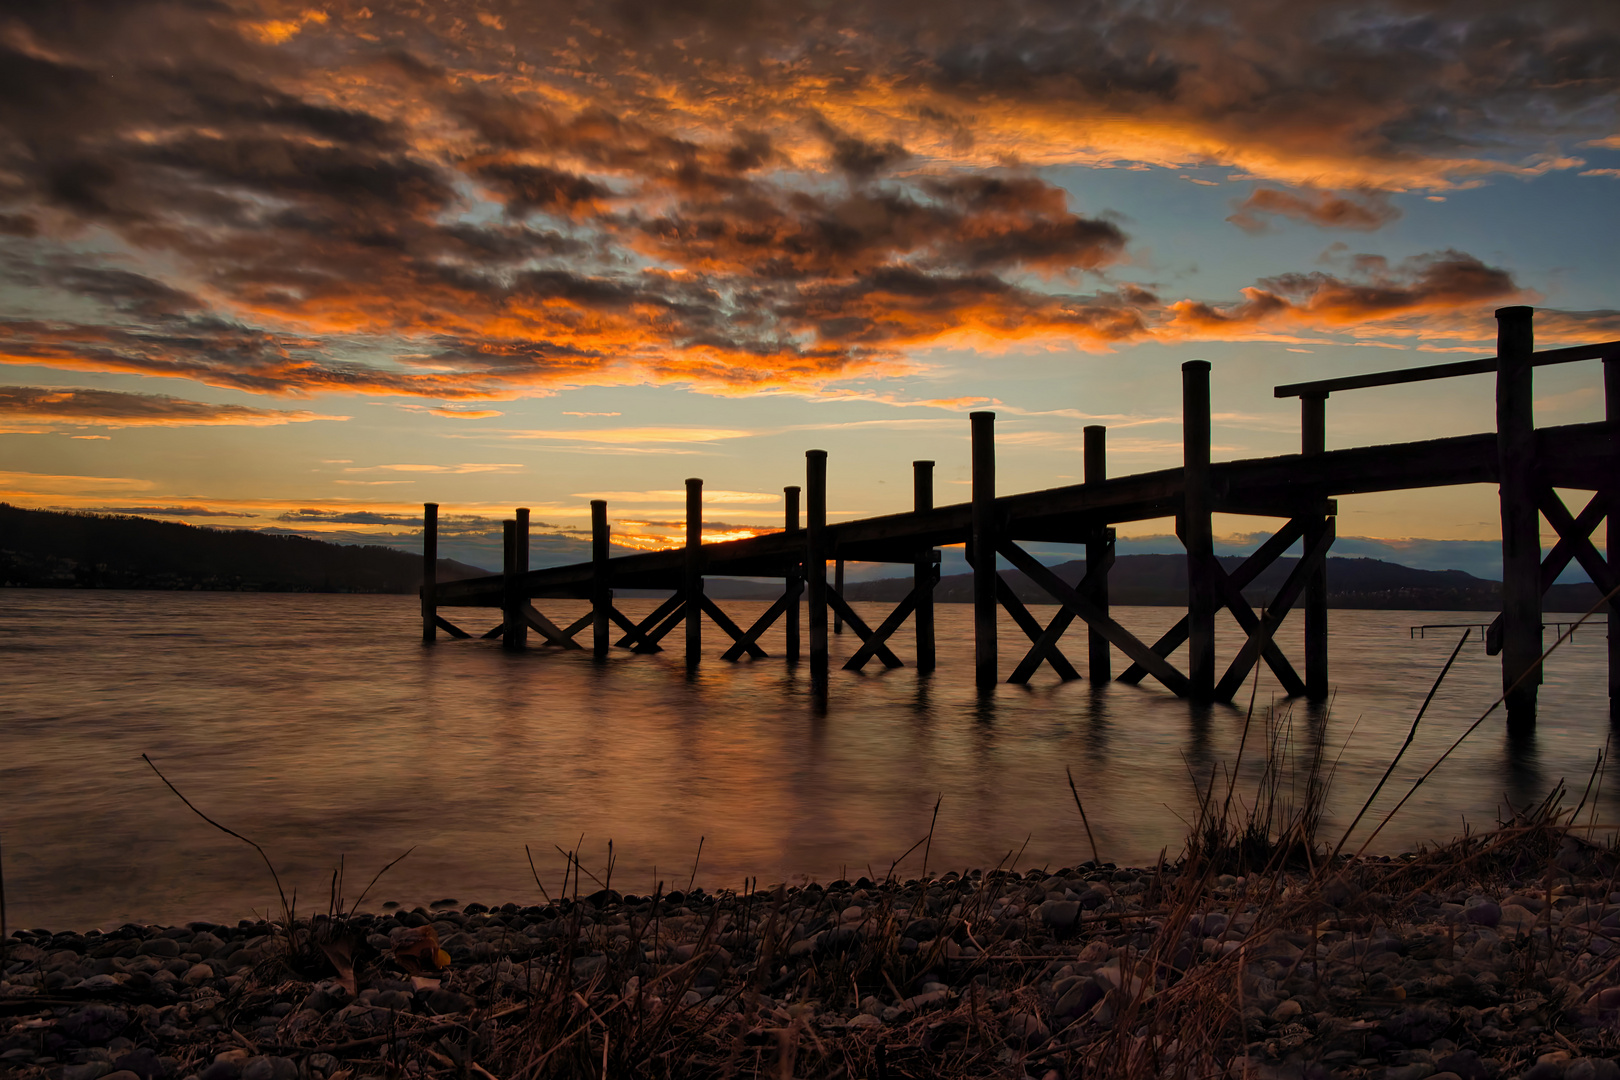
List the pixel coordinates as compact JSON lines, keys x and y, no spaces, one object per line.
{"x":341,"y":954}
{"x":417,"y":950}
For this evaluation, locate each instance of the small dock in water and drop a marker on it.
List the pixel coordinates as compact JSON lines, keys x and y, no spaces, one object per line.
{"x":1529,"y":464}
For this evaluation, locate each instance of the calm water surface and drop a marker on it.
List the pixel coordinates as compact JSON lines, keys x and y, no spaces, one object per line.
{"x":319,"y":727}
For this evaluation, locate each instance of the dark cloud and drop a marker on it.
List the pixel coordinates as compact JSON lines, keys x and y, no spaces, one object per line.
{"x":355,"y":199}
{"x":169,"y":511}
{"x":1447,"y":282}
{"x":349,"y":517}
{"x":116,"y":408}
{"x":1325,"y":209}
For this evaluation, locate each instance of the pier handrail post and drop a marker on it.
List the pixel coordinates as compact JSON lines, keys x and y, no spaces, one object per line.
{"x":511,"y":614}
{"x":601,"y":594}
{"x":1611,"y":547}
{"x":922,"y":570}
{"x":520,"y":565}
{"x":1099,"y":552}
{"x":694,"y":571}
{"x":1521,"y":520}
{"x":430,"y":573}
{"x":1197,"y":529}
{"x":838,"y":587}
{"x":815,"y":562}
{"x":794,"y":583}
{"x":1313,"y":441}
{"x":984,"y":549}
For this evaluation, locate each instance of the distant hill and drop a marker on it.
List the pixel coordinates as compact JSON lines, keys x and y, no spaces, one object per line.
{"x":1161,"y":580}
{"x":50,"y":549}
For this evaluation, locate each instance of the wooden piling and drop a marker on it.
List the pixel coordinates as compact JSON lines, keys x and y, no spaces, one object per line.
{"x":815,"y":562}
{"x":1611,"y":547}
{"x":984,"y":541}
{"x":1099,"y":553}
{"x":1521,"y":521}
{"x":922,"y":570}
{"x":793,"y":585}
{"x":430,"y":573}
{"x":601,"y":593}
{"x":1313,"y":441}
{"x":838,"y":587}
{"x":1197,"y":531}
{"x":694,"y":571}
{"x":514,"y":630}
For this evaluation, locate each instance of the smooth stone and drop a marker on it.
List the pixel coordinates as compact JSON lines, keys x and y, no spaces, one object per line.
{"x":166,"y":947}
{"x":1483,"y":914}
{"x":1027,"y":1029}
{"x":1587,"y":1068}
{"x":1060,"y":915}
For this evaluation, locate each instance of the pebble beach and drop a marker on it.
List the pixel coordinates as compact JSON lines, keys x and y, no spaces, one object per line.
{"x":1495,"y":957}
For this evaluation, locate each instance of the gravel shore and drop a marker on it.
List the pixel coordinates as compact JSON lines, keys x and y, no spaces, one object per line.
{"x":1470,"y":963}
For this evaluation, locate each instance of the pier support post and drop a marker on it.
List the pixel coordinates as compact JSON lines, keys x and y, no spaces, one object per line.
{"x":922,"y":571}
{"x":1099,"y":554}
{"x":1313,"y":440}
{"x":1521,"y":520}
{"x":514,"y":630}
{"x":794,"y":584}
{"x":694,"y":571}
{"x":430,"y":573}
{"x":838,"y":587}
{"x":985,"y":543}
{"x":601,"y":594}
{"x":815,"y":562}
{"x":1611,"y":547}
{"x":1197,"y":532}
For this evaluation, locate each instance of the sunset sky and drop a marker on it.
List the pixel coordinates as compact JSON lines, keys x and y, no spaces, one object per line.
{"x":296,"y":267}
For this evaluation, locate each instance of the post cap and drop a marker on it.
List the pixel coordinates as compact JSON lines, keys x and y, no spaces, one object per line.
{"x":815,"y":453}
{"x":1195,"y":365}
{"x":1518,"y":311}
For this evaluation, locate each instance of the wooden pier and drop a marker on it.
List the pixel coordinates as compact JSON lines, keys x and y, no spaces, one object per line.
{"x":1529,"y":465}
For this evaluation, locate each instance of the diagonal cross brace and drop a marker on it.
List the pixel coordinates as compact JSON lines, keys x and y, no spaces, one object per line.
{"x":723,"y":621}
{"x":548,"y":629}
{"x":632,"y":633}
{"x":1281,"y":604}
{"x":761,"y":624}
{"x":1241,"y":578}
{"x":572,"y":629}
{"x":1597,"y":568}
{"x":1249,"y":622}
{"x":864,"y":632}
{"x":643,"y":629}
{"x":1037,"y":634}
{"x":1127,"y":642}
{"x":869,"y":648}
{"x":1558,"y":558}
{"x":449,"y":627}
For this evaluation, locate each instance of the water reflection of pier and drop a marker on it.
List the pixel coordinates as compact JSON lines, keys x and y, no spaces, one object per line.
{"x":1530,"y":465}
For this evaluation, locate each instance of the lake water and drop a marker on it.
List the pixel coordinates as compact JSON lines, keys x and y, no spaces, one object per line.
{"x":320,"y":727}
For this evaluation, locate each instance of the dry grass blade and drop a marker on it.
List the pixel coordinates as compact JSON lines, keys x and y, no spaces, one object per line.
{"x":1410,"y":735}
{"x":286,"y":908}
{"x":1081,"y":807}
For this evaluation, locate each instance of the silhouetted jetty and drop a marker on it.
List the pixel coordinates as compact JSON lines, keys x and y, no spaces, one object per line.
{"x":1528,"y":464}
